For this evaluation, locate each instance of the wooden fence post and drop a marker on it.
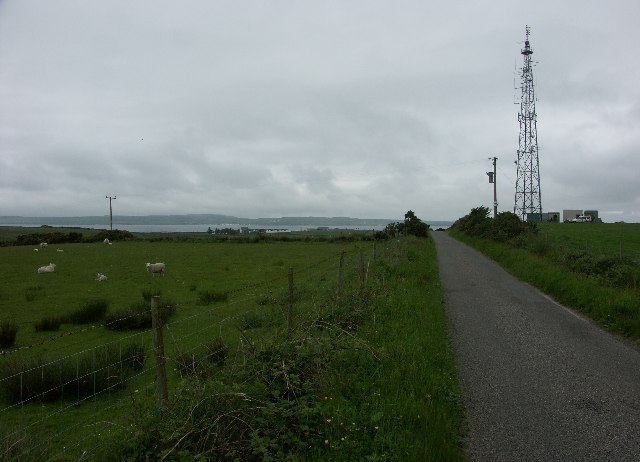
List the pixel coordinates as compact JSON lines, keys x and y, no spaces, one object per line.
{"x":339,"y":283}
{"x":290,"y":310}
{"x":158,"y":348}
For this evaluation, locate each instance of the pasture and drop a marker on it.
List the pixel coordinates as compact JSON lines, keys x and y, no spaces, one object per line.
{"x":387,"y":319}
{"x":603,"y":239}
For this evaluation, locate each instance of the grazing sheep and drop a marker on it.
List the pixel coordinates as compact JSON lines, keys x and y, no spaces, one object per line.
{"x":106,"y":240}
{"x":43,"y":245}
{"x":59,"y":250}
{"x":50,"y":268}
{"x":155,"y":267}
{"x":101,"y":277}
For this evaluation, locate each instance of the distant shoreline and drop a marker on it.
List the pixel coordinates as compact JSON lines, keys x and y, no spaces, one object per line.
{"x":201,"y":219}
{"x":203,"y":228}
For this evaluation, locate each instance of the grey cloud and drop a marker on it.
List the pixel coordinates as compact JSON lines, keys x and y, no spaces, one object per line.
{"x":329,"y":108}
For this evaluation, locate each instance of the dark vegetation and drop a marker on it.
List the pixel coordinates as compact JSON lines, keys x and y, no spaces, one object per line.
{"x":138,"y":316}
{"x":411,"y":226}
{"x":91,"y":311}
{"x":207,"y":297}
{"x":76,"y":377}
{"x":10,"y":238}
{"x":8,"y":331}
{"x":57,"y":237}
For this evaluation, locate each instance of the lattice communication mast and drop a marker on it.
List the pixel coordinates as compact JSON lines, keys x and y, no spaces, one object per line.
{"x":528,"y":202}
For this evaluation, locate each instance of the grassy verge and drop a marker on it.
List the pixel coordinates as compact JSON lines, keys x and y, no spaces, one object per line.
{"x":617,"y":309}
{"x":407,"y":392}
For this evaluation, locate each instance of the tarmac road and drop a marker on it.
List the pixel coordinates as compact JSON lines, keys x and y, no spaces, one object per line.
{"x":540,"y":382}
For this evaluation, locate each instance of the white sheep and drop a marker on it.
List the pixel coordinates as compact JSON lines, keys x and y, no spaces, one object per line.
{"x":35,"y":250}
{"x":59,"y":250}
{"x":101,"y":277}
{"x":106,"y":240}
{"x":155,"y":267}
{"x":50,"y":268}
{"x":43,"y":245}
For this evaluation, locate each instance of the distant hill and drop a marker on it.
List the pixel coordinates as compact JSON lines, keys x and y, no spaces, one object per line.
{"x":192,"y":219}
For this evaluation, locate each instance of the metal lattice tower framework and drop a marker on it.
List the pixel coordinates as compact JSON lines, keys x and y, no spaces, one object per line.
{"x":528,"y":193}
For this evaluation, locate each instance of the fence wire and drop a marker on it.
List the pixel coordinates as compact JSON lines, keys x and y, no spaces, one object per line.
{"x":108,"y":396}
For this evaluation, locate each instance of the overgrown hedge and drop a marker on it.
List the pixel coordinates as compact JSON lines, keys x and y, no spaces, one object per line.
{"x":57,"y":237}
{"x":619,"y":272}
{"x":504,"y":227}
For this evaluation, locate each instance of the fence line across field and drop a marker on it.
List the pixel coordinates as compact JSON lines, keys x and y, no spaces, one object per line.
{"x":350,"y":269}
{"x":91,"y":328}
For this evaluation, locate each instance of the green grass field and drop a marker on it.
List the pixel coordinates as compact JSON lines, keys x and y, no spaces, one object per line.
{"x":368,"y":374}
{"x":608,"y":239}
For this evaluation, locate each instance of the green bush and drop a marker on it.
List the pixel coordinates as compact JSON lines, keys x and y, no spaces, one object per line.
{"x":506,"y":226}
{"x":412,"y":226}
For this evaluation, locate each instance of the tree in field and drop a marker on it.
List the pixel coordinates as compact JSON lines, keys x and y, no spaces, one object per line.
{"x":412,"y":225}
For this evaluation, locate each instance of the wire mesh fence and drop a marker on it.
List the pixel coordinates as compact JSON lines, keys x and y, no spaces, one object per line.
{"x":59,"y":409}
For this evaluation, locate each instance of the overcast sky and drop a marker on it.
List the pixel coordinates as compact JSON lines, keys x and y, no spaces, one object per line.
{"x":361,"y":108}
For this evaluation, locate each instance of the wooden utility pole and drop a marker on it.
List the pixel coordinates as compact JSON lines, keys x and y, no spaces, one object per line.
{"x":111,"y":210}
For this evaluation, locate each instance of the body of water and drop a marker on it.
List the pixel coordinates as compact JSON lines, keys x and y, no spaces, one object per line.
{"x":204,"y":227}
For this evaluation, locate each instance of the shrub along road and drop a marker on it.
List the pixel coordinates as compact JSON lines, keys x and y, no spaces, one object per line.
{"x":540,"y":382}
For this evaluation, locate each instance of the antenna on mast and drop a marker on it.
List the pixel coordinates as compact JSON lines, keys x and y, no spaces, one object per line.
{"x":528,"y":202}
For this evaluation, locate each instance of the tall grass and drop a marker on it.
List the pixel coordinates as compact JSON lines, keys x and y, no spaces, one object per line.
{"x":75,"y":377}
{"x":91,"y":311}
{"x":138,"y":316}
{"x":8,"y":332}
